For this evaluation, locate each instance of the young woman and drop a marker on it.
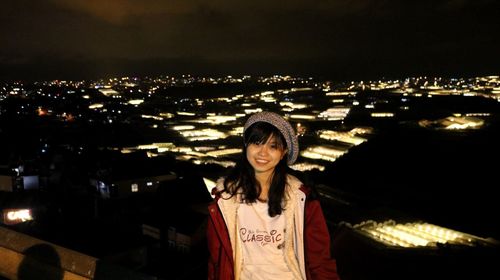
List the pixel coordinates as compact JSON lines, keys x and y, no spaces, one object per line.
{"x":262,"y":224}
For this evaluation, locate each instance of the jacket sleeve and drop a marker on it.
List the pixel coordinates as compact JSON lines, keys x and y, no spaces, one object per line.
{"x":319,"y":264}
{"x":214,"y":249}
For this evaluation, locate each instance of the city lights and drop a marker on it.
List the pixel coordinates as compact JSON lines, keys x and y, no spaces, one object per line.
{"x":203,"y":134}
{"x":456,"y":122}
{"x":334,"y":114}
{"x":382,"y":115}
{"x":217,"y":119}
{"x":135,"y":101}
{"x":346,"y":137}
{"x":323,"y":153}
{"x":96,"y":106}
{"x":118,"y":119}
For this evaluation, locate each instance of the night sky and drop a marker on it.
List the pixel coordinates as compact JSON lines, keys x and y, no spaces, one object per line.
{"x":336,"y":39}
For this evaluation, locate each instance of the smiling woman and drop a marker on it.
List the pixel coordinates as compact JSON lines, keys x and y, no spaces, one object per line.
{"x":263,"y":223}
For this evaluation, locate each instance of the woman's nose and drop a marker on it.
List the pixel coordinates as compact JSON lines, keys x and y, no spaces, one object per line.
{"x":262,"y":149}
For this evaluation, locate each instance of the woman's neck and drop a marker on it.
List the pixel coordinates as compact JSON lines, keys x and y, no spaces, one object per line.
{"x":264,"y":180}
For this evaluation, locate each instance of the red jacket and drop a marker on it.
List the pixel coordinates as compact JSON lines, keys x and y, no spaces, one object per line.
{"x":318,"y":262}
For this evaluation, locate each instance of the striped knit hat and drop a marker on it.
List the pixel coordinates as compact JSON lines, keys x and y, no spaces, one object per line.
{"x":283,"y":126}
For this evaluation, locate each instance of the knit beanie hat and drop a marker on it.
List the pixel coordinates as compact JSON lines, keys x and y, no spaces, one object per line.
{"x":283,"y":126}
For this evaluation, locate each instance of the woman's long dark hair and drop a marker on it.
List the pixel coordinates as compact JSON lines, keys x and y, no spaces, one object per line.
{"x":241,"y":178}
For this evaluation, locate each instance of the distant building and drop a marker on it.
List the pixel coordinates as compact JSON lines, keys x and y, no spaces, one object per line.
{"x":119,"y":188}
{"x":10,"y":181}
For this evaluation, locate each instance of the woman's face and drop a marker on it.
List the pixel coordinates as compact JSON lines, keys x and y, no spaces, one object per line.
{"x":265,"y":156}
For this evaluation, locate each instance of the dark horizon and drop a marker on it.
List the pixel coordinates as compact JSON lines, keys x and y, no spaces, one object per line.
{"x":335,"y":40}
{"x":88,"y":70}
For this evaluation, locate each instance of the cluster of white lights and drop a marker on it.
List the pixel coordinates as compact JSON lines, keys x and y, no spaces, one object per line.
{"x":252,"y":111}
{"x":341,"y":93}
{"x":382,"y":85}
{"x":268,"y":99}
{"x":237,"y":131}
{"x":382,"y":115}
{"x":456,"y":122}
{"x":203,"y":134}
{"x":204,"y":149}
{"x":96,"y":106}
{"x":304,"y":166}
{"x":346,"y":137}
{"x":159,"y":147}
{"x":303,"y":117}
{"x":224,"y":152}
{"x":361,"y":130}
{"x":290,"y":106}
{"x":451,"y":92}
{"x":432,"y":87}
{"x":478,"y":114}
{"x":301,"y":89}
{"x":323,"y":153}
{"x":167,"y":115}
{"x":217,"y":119}
{"x":266,"y":93}
{"x":462,"y":122}
{"x":414,"y":234}
{"x":185,"y":150}
{"x":135,"y":101}
{"x":108,"y":92}
{"x":334,"y":114}
{"x":189,"y":114}
{"x":223,"y":163}
{"x":152,"y":117}
{"x":183,"y":127}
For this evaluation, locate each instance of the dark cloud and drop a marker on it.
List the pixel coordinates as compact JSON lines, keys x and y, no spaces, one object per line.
{"x":333,"y":37}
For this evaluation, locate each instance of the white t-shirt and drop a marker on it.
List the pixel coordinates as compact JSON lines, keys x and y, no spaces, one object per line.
{"x":262,"y":240}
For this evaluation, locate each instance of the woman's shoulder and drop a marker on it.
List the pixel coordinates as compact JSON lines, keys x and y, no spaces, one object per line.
{"x":219,"y":186}
{"x":293,"y":181}
{"x":223,"y":189}
{"x":297,"y":185}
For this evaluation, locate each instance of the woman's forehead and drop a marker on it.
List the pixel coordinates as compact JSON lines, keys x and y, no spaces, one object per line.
{"x":273,"y":138}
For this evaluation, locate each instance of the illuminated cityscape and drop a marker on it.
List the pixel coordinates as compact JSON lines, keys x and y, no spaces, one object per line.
{"x":117,"y":119}
{"x":121,"y":169}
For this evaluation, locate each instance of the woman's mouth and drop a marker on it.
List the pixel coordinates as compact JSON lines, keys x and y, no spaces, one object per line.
{"x":261,"y":161}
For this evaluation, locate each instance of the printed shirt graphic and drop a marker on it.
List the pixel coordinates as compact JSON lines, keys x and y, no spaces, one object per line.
{"x":262,"y":240}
